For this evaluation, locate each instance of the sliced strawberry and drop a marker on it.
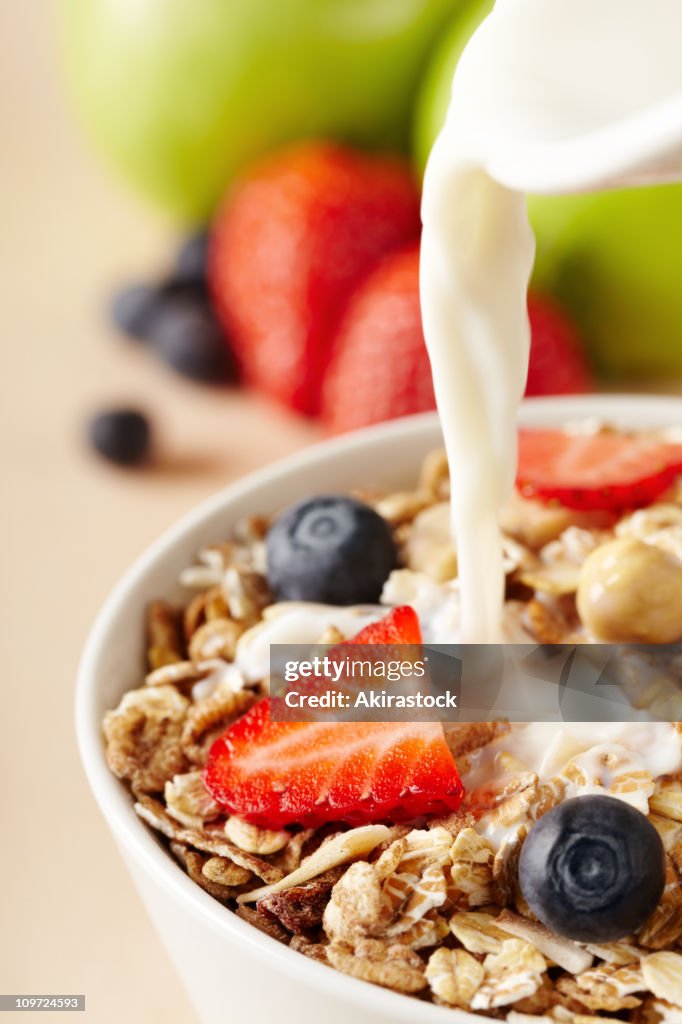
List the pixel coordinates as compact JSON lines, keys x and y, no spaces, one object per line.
{"x":605,"y":471}
{"x":396,"y":637}
{"x":308,"y":773}
{"x":400,"y":626}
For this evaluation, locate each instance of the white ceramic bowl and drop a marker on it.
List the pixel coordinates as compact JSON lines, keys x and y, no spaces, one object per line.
{"x":230,"y":969}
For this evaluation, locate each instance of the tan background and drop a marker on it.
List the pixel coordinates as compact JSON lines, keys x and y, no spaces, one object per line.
{"x":69,"y":918}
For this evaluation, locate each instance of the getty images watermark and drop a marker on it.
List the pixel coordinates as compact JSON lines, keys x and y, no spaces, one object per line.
{"x":476,"y":682}
{"x":361,"y":683}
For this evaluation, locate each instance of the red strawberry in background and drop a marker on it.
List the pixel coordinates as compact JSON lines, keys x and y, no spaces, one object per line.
{"x":380,"y":369}
{"x":290,"y":244}
{"x":558,"y":365}
{"x":308,"y":773}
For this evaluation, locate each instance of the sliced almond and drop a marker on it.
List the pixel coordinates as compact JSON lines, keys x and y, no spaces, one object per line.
{"x":340,"y":850}
{"x":556,"y":579}
{"x":478,"y":932}
{"x":663,"y":975}
{"x":564,"y":952}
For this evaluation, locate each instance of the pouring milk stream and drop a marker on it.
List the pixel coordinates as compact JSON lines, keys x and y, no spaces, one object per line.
{"x":549,"y":96}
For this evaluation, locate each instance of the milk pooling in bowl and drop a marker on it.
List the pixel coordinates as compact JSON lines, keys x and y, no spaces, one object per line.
{"x":550,"y":96}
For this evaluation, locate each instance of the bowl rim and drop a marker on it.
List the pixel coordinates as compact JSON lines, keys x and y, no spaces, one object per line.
{"x":113,"y":799}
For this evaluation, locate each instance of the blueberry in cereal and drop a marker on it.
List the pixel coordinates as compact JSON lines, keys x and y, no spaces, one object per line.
{"x":330,"y":548}
{"x":593,"y":869}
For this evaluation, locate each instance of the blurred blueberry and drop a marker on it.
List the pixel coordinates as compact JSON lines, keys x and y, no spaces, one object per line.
{"x":188,"y":337}
{"x":120,"y":435}
{"x":134,"y":308}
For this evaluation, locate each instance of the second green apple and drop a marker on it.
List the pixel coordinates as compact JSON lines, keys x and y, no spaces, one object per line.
{"x":613,"y":258}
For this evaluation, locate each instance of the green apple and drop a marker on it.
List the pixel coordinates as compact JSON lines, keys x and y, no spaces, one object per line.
{"x":181,"y":93}
{"x":613,"y":258}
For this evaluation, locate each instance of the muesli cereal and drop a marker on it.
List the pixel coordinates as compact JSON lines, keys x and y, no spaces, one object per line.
{"x":431,"y":904}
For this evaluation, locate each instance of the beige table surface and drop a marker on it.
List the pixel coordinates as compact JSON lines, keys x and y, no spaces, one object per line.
{"x":69,"y":918}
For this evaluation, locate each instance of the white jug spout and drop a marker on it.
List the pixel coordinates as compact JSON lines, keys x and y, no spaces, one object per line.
{"x":643,"y":149}
{"x":575,"y":94}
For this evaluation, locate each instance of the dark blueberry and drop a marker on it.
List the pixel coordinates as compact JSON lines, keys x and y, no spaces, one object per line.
{"x":592,"y":869}
{"x":192,"y":257}
{"x":134,"y":308}
{"x":332,"y":549}
{"x":121,"y":435}
{"x":188,"y":337}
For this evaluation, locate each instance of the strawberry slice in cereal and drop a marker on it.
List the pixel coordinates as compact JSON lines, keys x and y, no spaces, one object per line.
{"x":279,"y":773}
{"x":308,"y":773}
{"x":400,"y":626}
{"x":397,"y":637}
{"x":605,"y":471}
